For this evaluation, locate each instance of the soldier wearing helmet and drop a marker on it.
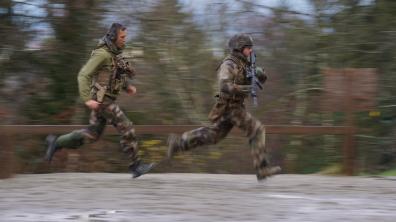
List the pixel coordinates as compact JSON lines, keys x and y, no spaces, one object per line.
{"x":240,"y":41}
{"x":229,"y":110}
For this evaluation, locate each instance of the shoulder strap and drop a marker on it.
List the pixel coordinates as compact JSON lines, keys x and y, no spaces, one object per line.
{"x":232,"y":58}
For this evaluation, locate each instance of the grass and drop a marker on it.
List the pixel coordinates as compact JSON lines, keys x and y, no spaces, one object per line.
{"x":335,"y":169}
{"x":391,"y":172}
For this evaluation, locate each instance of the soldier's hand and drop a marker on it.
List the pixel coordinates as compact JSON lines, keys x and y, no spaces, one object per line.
{"x":131,"y":90}
{"x":261,"y":75}
{"x":92,"y":104}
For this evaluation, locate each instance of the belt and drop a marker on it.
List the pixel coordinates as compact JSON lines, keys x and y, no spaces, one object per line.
{"x":230,"y":98}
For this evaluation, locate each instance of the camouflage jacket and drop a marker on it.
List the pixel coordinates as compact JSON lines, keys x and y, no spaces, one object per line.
{"x":231,"y":74}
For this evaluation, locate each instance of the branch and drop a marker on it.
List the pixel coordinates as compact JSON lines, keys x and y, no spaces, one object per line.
{"x":26,"y":3}
{"x":276,"y":9}
{"x":27,"y":16}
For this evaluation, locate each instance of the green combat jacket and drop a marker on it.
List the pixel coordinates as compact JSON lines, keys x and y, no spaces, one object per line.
{"x":96,"y":76}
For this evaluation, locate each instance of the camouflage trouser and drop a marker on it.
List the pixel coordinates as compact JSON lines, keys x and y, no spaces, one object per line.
{"x":107,"y":113}
{"x":235,"y":115}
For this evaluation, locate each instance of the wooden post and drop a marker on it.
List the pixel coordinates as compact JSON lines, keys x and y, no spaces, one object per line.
{"x":349,"y":142}
{"x":6,"y":156}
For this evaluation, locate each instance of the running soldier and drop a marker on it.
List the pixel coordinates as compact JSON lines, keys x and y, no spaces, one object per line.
{"x":229,"y":110}
{"x":100,"y":81}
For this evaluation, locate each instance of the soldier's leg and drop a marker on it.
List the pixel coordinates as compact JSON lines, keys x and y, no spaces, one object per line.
{"x":128,"y":140}
{"x":77,"y":138}
{"x":255,"y":131}
{"x":124,"y":126}
{"x":199,"y":137}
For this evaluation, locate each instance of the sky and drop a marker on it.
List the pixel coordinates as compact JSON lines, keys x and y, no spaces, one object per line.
{"x":205,"y":14}
{"x":198,"y":6}
{"x":200,"y":9}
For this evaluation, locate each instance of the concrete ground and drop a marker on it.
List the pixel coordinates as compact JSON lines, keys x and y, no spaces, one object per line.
{"x":196,"y":197}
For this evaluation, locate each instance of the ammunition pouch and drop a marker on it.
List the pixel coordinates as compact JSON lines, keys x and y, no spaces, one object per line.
{"x":231,"y":98}
{"x":217,"y":111}
{"x":116,"y":86}
{"x":98,"y":92}
{"x":224,"y":102}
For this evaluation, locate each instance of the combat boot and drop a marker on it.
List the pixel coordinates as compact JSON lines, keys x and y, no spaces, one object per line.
{"x":52,"y":148}
{"x":174,"y":145}
{"x":265,"y":172}
{"x":139,"y":168}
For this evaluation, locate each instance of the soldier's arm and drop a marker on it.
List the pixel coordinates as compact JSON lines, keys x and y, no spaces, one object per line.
{"x":227,"y":73}
{"x":87,"y":71}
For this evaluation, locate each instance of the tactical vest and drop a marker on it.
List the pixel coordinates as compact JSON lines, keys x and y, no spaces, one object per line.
{"x":240,"y":78}
{"x":106,"y":82}
{"x":226,"y":101}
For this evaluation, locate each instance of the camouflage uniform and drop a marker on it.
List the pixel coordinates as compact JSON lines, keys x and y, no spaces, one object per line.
{"x":107,"y":113}
{"x":229,"y":111}
{"x":101,"y":79}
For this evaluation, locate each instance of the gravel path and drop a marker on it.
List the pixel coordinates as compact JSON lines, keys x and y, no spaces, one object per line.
{"x":196,"y":197}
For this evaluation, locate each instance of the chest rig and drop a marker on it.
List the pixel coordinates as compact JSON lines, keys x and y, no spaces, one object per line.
{"x":111,"y":78}
{"x":240,"y":78}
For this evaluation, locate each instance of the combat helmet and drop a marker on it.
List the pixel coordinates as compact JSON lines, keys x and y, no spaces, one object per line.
{"x":239,"y":41}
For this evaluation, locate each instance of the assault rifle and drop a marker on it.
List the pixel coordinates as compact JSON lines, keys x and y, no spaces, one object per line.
{"x":251,"y":75}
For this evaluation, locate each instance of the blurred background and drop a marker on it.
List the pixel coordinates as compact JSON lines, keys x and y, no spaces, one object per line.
{"x":329,"y":63}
